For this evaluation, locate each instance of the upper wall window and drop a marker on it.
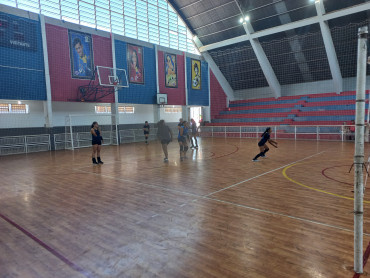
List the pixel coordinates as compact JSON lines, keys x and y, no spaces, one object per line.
{"x":102,"y":109}
{"x":9,"y":108}
{"x":153,"y":21}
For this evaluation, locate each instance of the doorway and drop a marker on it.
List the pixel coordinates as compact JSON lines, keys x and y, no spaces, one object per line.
{"x":196,"y":114}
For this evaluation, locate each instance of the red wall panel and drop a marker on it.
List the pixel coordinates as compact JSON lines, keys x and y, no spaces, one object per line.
{"x":175,"y":96}
{"x":63,"y":86}
{"x":218,"y":96}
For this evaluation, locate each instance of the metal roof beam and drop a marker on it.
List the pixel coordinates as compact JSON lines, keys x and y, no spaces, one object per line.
{"x":329,"y":47}
{"x":216,"y":71}
{"x":289,"y":26}
{"x":263,"y":61}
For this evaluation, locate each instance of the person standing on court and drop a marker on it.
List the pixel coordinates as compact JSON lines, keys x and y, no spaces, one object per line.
{"x":262,"y":144}
{"x":146,"y":129}
{"x":97,"y":140}
{"x":164,"y":134}
{"x":181,"y":138}
{"x":194,"y":130}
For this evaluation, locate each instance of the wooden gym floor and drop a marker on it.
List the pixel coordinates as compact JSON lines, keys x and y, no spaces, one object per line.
{"x":217,"y":214}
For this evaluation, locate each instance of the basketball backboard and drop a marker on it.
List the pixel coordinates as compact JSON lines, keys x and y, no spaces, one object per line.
{"x":112,"y":77}
{"x":162,"y":99}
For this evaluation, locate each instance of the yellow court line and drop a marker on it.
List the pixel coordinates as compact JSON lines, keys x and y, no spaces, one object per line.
{"x":312,"y":188}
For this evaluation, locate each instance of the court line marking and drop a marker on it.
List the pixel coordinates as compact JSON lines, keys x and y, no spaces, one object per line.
{"x":283,"y":214}
{"x":330,"y":178}
{"x":54,"y":252}
{"x":206,"y":197}
{"x":313,"y":188}
{"x":260,"y":175}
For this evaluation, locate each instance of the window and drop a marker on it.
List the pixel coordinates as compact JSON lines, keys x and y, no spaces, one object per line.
{"x":8,"y":108}
{"x":172,"y":109}
{"x":153,"y":21}
{"x":126,"y":109}
{"x":101,"y":109}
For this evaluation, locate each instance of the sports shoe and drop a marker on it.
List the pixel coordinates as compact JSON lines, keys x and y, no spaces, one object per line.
{"x":255,"y":160}
{"x":165,"y":160}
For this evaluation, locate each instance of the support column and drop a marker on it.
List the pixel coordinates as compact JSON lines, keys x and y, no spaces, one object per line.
{"x":206,"y":111}
{"x":263,"y":61}
{"x":359,"y":149}
{"x":216,"y":71}
{"x":156,"y":108}
{"x":329,"y":47}
{"x":114,"y":105}
{"x":184,"y":113}
{"x":48,"y":110}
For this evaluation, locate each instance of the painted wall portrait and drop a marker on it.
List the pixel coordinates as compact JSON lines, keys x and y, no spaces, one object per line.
{"x":135,"y":64}
{"x":195,"y":75}
{"x":81,"y":55}
{"x":170,"y":68}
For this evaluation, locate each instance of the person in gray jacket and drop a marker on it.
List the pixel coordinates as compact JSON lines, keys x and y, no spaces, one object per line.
{"x":164,"y":134}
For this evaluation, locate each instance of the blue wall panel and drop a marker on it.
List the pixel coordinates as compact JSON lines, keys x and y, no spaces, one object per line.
{"x":138,"y":93}
{"x":198,"y":97}
{"x":21,"y":59}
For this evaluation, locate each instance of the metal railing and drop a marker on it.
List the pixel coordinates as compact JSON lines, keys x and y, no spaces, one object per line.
{"x":298,"y":132}
{"x":24,"y":144}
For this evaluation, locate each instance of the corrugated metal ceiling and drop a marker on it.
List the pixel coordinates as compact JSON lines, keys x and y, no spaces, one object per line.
{"x":296,"y":55}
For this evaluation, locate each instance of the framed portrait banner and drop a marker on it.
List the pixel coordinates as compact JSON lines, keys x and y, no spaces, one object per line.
{"x":81,"y":55}
{"x":170,"y":70}
{"x":135,"y":63}
{"x":196,"y":81}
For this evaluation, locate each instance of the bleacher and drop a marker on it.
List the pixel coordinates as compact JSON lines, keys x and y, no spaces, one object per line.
{"x":314,"y":109}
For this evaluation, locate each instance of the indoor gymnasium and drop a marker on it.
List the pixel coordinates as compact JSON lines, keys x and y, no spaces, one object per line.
{"x":184,"y":138}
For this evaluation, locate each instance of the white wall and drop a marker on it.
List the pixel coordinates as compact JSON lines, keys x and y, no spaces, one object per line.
{"x":327,"y":86}
{"x":35,"y":118}
{"x":170,"y":117}
{"x":143,"y":112}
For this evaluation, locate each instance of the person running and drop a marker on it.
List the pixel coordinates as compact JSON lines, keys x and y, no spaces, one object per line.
{"x":262,"y":144}
{"x":181,"y":138}
{"x":97,"y":140}
{"x":194,"y":130}
{"x":146,"y":129}
{"x":164,"y":134}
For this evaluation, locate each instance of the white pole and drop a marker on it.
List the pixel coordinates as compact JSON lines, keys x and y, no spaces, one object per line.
{"x":295,"y":133}
{"x":70,"y":131}
{"x":359,"y":148}
{"x":48,"y":110}
{"x":115,"y":115}
{"x":317,"y":133}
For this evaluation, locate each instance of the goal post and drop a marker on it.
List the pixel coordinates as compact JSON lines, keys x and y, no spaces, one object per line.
{"x":77,"y":130}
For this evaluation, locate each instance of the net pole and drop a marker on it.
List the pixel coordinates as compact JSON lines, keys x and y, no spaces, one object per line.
{"x":71,"y":131}
{"x":359,"y":149}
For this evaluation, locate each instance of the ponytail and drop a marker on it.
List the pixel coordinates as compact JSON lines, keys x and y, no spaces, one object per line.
{"x":267,"y":129}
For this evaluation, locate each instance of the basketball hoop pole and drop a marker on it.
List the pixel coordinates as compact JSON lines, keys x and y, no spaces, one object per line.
{"x":359,"y":149}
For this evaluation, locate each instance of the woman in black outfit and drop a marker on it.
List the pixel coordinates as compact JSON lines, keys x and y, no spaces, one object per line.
{"x":262,"y":144}
{"x":96,"y":142}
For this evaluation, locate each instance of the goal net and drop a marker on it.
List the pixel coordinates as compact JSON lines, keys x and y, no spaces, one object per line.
{"x":77,"y":130}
